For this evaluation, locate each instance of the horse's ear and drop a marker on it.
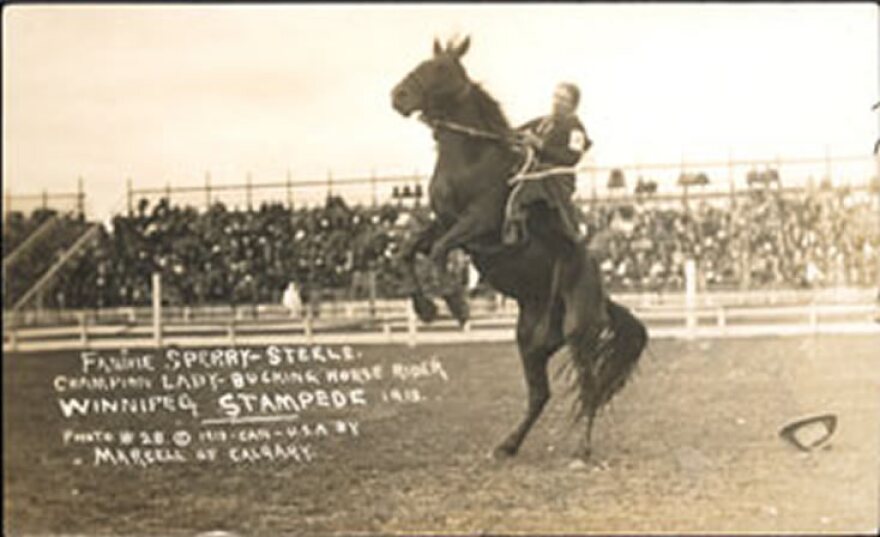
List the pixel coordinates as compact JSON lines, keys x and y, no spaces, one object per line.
{"x":460,"y":50}
{"x":438,"y":48}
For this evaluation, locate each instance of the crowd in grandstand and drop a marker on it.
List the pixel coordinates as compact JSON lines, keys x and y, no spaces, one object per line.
{"x":251,"y":256}
{"x":763,"y":239}
{"x":223,"y":256}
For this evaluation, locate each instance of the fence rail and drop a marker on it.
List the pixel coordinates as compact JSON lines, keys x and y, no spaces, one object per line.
{"x":498,"y":306}
{"x":395,"y":323}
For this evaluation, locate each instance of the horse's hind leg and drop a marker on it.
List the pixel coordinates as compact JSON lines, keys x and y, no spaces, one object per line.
{"x":580,"y":282}
{"x":585,"y":448}
{"x":535,"y":354}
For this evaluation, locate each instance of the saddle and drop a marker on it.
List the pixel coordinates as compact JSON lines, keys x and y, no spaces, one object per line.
{"x":537,"y":188}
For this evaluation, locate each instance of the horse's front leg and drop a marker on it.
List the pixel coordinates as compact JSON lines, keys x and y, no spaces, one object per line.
{"x":420,"y":243}
{"x":472,"y":224}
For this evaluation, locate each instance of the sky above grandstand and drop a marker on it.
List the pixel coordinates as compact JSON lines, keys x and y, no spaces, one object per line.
{"x":164,"y":94}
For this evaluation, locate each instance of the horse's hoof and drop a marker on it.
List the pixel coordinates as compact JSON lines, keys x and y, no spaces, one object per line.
{"x":462,"y":317}
{"x":577,"y":465}
{"x":502,"y":453}
{"x":425,"y":308}
{"x":583,"y":454}
{"x":459,"y":308}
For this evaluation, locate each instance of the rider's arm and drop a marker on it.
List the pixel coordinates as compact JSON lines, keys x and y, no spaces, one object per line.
{"x":569,"y":150}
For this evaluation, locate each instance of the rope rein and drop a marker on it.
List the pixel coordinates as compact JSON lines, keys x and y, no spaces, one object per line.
{"x":537,"y":175}
{"x":523,"y":174}
{"x":442,"y":124}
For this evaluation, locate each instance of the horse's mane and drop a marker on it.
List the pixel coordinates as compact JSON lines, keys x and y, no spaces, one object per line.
{"x":490,"y":111}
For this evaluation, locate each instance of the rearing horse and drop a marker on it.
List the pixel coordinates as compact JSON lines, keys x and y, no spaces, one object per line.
{"x":559,"y":304}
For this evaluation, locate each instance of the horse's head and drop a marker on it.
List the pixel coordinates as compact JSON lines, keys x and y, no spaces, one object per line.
{"x":435,"y":82}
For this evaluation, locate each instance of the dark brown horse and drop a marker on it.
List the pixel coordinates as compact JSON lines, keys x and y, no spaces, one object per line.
{"x":560,"y":303}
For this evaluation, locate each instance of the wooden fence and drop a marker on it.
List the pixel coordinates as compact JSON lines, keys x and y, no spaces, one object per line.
{"x":394,"y":322}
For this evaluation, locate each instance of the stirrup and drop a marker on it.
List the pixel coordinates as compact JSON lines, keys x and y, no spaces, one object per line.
{"x":513,"y":233}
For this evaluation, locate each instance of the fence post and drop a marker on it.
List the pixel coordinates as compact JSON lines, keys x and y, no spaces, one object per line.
{"x":157,"y":309}
{"x":130,"y":195}
{"x":329,"y":183}
{"x":13,"y":339}
{"x":371,"y":277}
{"x":410,"y":324}
{"x":745,"y":261}
{"x":374,"y":187}
{"x":230,"y":330}
{"x":307,"y":325}
{"x":386,"y":327}
{"x":828,"y":163}
{"x":730,"y":177}
{"x":289,"y":191}
{"x":83,"y":330}
{"x":690,"y":278}
{"x":207,"y":190}
{"x":80,"y":198}
{"x":814,"y":316}
{"x":248,"y":192}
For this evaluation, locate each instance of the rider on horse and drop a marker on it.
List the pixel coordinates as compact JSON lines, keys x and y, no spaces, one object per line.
{"x":558,"y":139}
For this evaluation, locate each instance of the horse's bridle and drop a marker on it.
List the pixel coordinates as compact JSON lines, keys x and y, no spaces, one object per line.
{"x":443,"y":124}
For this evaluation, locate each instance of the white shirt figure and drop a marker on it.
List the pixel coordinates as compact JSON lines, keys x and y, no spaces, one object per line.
{"x":291,"y":300}
{"x":813,"y":275}
{"x":473,"y":276}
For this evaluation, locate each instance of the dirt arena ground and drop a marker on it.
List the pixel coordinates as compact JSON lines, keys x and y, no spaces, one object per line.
{"x":690,"y":445}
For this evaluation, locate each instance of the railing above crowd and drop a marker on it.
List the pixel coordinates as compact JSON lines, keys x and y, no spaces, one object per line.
{"x":654,"y":182}
{"x":17,"y":205}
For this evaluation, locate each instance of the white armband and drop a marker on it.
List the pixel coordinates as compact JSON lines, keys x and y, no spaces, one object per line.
{"x":577,"y":141}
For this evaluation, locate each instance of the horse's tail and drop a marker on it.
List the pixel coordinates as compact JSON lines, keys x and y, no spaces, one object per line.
{"x":602,"y":360}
